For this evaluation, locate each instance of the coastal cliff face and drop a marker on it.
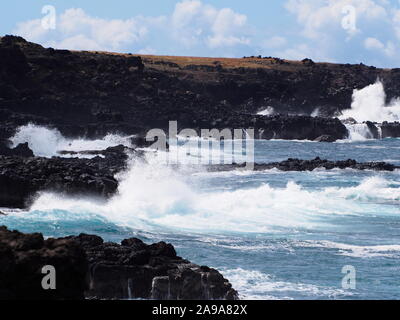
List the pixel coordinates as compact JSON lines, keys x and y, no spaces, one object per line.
{"x":93,"y":93}
{"x":88,"y":267}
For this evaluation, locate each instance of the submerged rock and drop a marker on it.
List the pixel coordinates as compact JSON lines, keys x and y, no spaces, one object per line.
{"x":86,"y":266}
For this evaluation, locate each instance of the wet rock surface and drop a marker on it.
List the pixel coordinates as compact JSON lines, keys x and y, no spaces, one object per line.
{"x":88,"y":267}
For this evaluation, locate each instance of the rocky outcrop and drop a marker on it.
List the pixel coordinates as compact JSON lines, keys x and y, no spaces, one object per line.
{"x":149,"y":272}
{"x":293,"y":127}
{"x":22,"y":257}
{"x":21,"y":178}
{"x":91,"y":94}
{"x":390,"y":130}
{"x":86,"y":266}
{"x":310,"y":165}
{"x":21,"y":150}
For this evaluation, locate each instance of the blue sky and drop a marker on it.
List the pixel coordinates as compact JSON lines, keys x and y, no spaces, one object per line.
{"x":348,"y":31}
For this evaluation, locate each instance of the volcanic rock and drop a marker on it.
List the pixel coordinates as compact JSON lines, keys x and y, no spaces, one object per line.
{"x":22,"y":178}
{"x":88,"y":267}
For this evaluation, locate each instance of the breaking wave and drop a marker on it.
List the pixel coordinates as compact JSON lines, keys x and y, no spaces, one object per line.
{"x":152,"y":196}
{"x":46,"y":142}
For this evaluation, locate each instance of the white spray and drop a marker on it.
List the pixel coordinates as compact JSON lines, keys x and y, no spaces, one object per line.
{"x":369,"y":104}
{"x":45,"y":142}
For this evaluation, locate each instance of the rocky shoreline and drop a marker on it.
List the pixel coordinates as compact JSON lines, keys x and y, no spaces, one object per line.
{"x":23,"y":176}
{"x":91,"y":94}
{"x":87,"y":267}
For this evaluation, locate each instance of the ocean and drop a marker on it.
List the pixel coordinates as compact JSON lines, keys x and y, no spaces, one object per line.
{"x":273,"y":234}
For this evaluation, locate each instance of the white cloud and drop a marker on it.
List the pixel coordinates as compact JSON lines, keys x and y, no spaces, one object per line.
{"x":191,"y":24}
{"x":346,"y":30}
{"x":319,"y":16}
{"x":77,"y":30}
{"x":320,"y":31}
{"x":31,"y":29}
{"x":374,"y":44}
{"x":78,"y":42}
{"x":195,"y":23}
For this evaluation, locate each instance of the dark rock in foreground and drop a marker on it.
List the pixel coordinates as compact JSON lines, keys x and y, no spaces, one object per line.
{"x":148,"y":271}
{"x":310,"y":165}
{"x":22,"y":257}
{"x":88,"y":267}
{"x":21,"y":178}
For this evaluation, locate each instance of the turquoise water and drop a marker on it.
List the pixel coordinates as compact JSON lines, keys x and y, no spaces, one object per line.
{"x":274,"y":235}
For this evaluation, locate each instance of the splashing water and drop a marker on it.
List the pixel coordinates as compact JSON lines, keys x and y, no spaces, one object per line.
{"x":266,"y":112}
{"x":369,"y":104}
{"x":151,"y":194}
{"x":274,"y":235}
{"x":45,"y":142}
{"x":359,"y":132}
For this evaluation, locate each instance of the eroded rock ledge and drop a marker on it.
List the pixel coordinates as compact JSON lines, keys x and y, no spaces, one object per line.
{"x":88,"y":267}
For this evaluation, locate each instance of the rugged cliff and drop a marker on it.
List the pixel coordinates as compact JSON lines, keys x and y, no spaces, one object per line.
{"x":92,"y":93}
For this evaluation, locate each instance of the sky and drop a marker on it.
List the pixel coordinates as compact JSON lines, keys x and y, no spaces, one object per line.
{"x":341,"y":31}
